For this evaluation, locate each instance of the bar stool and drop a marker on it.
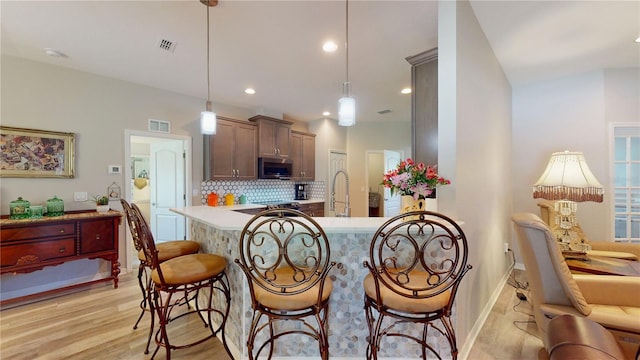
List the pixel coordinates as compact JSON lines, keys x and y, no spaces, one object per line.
{"x":285,"y":256}
{"x":416,"y":262}
{"x":185,"y":276}
{"x":166,"y":250}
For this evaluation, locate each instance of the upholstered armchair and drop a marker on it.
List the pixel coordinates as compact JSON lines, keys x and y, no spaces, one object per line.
{"x":611,"y":301}
{"x":598,"y":248}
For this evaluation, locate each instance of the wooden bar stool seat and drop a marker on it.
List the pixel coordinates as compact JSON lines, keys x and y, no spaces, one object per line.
{"x":172,"y":249}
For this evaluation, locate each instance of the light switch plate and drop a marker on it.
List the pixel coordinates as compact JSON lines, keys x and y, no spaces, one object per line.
{"x":115,"y":169}
{"x":80,"y":196}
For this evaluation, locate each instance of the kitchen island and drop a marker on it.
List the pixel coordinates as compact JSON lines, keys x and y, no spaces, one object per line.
{"x":218,"y":230}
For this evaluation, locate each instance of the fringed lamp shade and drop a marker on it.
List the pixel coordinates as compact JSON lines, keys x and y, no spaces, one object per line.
{"x":567,"y":177}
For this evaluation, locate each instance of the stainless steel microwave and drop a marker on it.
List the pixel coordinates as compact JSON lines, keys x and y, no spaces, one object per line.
{"x":274,"y":168}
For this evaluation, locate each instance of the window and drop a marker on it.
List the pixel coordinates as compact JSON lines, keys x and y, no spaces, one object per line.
{"x":626,"y":182}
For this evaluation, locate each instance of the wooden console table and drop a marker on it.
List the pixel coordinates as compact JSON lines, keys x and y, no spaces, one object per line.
{"x":601,"y":265}
{"x":31,"y":244}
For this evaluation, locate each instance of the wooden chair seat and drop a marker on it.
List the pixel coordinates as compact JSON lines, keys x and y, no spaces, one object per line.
{"x":404,"y":303}
{"x":271,"y":299}
{"x":171,"y":249}
{"x":189,"y":269}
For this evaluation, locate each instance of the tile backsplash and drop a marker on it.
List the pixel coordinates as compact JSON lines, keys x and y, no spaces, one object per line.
{"x":258,"y":191}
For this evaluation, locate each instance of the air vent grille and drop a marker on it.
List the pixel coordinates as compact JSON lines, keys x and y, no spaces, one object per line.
{"x":159,"y":126}
{"x":167,"y":45}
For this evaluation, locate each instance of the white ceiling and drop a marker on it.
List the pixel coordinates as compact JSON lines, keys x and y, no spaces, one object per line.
{"x":275,"y":46}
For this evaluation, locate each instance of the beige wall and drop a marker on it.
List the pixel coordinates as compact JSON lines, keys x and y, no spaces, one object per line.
{"x":97,"y":110}
{"x":371,"y":136}
{"x":474,"y":151}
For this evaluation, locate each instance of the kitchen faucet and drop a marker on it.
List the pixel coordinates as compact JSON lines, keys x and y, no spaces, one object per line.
{"x":347,"y":210}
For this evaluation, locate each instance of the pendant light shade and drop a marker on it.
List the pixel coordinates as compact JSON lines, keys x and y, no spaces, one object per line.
{"x":346,"y":111}
{"x":208,"y":119}
{"x":347,"y":104}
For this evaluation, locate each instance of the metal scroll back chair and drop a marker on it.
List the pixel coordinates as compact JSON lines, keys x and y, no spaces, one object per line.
{"x":285,"y":256}
{"x":185,"y":276}
{"x":416,"y":262}
{"x":166,"y":250}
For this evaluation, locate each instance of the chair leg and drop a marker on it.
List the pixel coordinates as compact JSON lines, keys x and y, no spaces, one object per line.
{"x":374,"y":331}
{"x":252,"y":333}
{"x":451,"y":336}
{"x":223,"y":287}
{"x":323,"y":338}
{"x":425,"y":331}
{"x":152,"y":313}
{"x":163,"y":308}
{"x":143,"y":303}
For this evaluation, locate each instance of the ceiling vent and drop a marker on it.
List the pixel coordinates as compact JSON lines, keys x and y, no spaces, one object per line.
{"x":167,"y":45}
{"x":385,"y":111}
{"x":159,"y":126}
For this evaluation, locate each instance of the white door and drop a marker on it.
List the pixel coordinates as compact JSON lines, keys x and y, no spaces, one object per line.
{"x":338,"y":161}
{"x":391,"y":203}
{"x":167,"y":178}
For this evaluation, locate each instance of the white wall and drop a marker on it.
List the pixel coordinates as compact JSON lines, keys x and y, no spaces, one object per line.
{"x":474,"y":124}
{"x":572,"y":113}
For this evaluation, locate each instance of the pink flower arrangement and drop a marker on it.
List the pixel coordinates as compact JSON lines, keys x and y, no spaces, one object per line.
{"x":416,"y":180}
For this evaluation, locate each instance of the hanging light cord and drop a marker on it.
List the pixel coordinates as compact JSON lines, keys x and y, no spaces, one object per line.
{"x":208,"y":77}
{"x":346,"y":44}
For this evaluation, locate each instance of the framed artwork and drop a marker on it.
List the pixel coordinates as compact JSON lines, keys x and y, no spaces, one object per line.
{"x":36,"y":153}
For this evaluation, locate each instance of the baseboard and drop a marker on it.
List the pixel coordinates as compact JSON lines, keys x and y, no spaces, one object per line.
{"x":475,"y":331}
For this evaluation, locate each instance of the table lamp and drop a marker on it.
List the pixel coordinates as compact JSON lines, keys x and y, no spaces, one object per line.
{"x":568,"y":180}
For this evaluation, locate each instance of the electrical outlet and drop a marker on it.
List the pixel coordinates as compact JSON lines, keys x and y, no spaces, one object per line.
{"x":80,"y":196}
{"x":506,"y":248}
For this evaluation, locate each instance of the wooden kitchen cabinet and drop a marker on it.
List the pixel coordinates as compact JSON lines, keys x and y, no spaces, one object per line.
{"x":31,"y":244}
{"x":274,"y":136}
{"x":313,"y":209}
{"x":303,"y":154}
{"x":233,"y":151}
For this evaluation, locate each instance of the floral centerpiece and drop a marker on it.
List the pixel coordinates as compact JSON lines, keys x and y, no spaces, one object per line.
{"x":413,"y":179}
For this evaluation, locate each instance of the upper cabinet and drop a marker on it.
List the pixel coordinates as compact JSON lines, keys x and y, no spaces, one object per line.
{"x":424,"y":81}
{"x":233,"y":151}
{"x":303,"y":154}
{"x":274,"y":136}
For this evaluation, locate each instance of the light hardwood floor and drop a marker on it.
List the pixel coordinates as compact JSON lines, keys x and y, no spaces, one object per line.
{"x":97,"y":324}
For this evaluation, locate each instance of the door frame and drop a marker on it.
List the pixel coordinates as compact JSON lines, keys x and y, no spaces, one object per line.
{"x":131,"y":255}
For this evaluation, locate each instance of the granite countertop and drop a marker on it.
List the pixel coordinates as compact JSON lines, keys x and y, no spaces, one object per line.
{"x":66,"y":216}
{"x":225,"y":218}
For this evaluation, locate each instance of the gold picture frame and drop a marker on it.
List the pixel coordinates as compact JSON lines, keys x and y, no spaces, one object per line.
{"x":34,"y":153}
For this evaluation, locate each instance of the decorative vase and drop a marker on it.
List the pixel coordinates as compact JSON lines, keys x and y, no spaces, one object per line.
{"x":408,"y":203}
{"x":102,"y":208}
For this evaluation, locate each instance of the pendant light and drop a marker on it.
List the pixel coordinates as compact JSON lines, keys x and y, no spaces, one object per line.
{"x":346,"y":104}
{"x":208,"y":117}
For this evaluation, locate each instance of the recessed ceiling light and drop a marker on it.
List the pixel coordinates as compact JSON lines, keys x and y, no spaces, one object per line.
{"x":329,"y":46}
{"x":406,"y":91}
{"x":249,"y":91}
{"x":55,"y":53}
{"x":326,"y":113}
